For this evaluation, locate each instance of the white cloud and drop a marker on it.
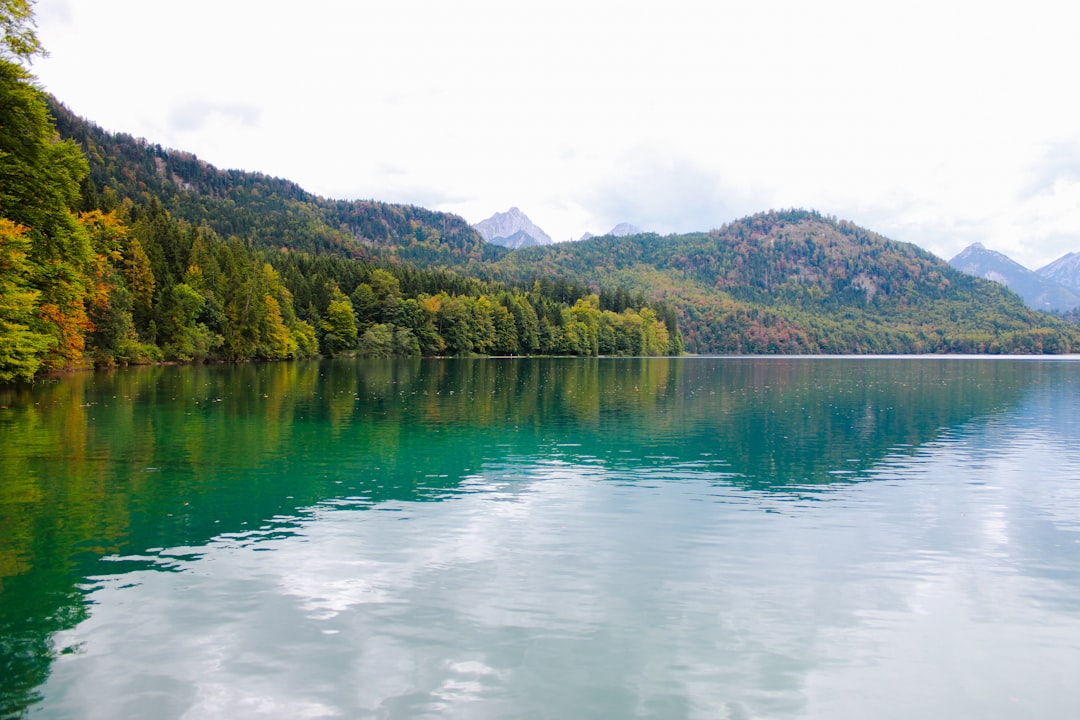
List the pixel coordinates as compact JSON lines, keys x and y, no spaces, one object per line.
{"x":199,"y":115}
{"x":929,"y":121}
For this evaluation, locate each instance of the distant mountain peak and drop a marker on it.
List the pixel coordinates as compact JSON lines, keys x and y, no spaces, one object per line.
{"x":621,"y":230}
{"x":977,"y":253}
{"x":512,"y":229}
{"x":1040,"y":291}
{"x":1064,"y":270}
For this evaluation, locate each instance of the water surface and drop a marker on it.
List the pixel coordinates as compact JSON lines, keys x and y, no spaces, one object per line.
{"x":700,"y":538}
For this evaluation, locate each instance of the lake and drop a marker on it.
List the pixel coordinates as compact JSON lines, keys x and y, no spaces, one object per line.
{"x":547,"y":538}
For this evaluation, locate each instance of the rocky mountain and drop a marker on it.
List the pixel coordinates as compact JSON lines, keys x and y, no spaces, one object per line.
{"x":623,"y":229}
{"x":1039,"y":291}
{"x":1065,"y":271}
{"x":512,"y":229}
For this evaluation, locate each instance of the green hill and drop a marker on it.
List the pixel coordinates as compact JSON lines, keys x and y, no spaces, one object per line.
{"x":799,"y":282}
{"x":267,"y":212}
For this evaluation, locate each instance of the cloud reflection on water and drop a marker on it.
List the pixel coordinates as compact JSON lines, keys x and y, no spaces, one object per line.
{"x":553,"y":588}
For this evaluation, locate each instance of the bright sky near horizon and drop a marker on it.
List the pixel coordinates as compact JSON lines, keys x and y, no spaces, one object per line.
{"x":939,"y":123}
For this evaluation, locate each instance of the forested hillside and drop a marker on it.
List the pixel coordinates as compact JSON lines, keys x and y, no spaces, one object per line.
{"x":267,"y":212}
{"x":798,"y":282}
{"x":115,"y":252}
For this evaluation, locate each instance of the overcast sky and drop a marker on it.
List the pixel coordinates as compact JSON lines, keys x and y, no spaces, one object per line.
{"x":931,"y":122}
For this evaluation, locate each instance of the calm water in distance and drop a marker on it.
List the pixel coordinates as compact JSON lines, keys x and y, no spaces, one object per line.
{"x":561,"y":538}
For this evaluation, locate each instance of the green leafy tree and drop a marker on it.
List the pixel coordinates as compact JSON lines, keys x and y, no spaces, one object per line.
{"x":654,"y":336}
{"x":377,"y":341}
{"x":366,"y":305}
{"x":278,"y":343}
{"x":482,"y":325}
{"x":21,"y":348}
{"x":387,"y":290}
{"x":528,"y":325}
{"x":20,"y":41}
{"x":182,"y":336}
{"x":40,"y":178}
{"x":416,"y":316}
{"x":338,"y":324}
{"x":406,"y":343}
{"x":506,"y":331}
{"x":454,"y":323}
{"x":586,"y":313}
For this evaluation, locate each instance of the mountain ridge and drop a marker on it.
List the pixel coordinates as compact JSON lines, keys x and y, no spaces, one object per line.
{"x":1038,"y":291}
{"x":796,"y":281}
{"x":1065,"y":270}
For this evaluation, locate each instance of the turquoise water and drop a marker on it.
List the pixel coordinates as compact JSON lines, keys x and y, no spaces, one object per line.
{"x":563,"y":538}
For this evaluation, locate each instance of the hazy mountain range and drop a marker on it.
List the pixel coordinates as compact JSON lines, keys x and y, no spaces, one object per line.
{"x":621,"y":230}
{"x":1053,"y":288}
{"x":513,"y":229}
